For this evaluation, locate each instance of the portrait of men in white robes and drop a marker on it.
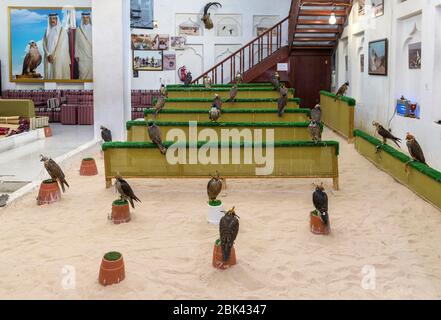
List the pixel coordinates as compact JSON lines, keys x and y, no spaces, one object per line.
{"x":83,"y":47}
{"x":56,"y":50}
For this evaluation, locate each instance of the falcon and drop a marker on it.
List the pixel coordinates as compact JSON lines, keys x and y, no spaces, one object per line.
{"x":125,"y":191}
{"x":316,"y":113}
{"x":233,"y":92}
{"x":106,"y":134}
{"x":217,"y":101}
{"x":275,"y":81}
{"x":315,"y":131}
{"x":32,"y":59}
{"x":188,"y":79}
{"x":415,"y":149}
{"x":214,"y":187}
{"x":207,"y":82}
{"x":281,"y":104}
{"x":341,"y":92}
{"x":160,"y":103}
{"x":228,"y":229}
{"x":239,"y":78}
{"x":155,"y":136}
{"x":3,"y":199}
{"x":206,"y":18}
{"x":214,"y":113}
{"x":163,"y":91}
{"x":283,"y":90}
{"x":385,"y":134}
{"x":54,"y":171}
{"x":320,"y":200}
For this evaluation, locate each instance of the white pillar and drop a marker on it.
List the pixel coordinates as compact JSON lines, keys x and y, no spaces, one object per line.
{"x":111,"y":66}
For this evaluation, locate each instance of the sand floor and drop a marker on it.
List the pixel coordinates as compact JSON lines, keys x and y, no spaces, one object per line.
{"x":168,"y":245}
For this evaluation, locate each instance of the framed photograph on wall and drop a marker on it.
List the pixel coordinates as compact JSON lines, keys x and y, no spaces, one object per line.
{"x":362,"y":62}
{"x":378,"y":7}
{"x":415,"y":55}
{"x":378,"y":57}
{"x":141,"y":14}
{"x":50,"y":44}
{"x":178,"y":43}
{"x":169,"y":62}
{"x":147,"y":60}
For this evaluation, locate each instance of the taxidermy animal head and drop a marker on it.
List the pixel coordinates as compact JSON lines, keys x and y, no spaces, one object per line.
{"x":206,"y":18}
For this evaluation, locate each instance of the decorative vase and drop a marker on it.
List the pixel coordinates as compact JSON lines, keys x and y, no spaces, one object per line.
{"x":120,"y":212}
{"x":218,"y":261}
{"x":215,"y":212}
{"x":49,"y":192}
{"x":112,"y":269}
{"x":317,"y":225}
{"x":88,"y":167}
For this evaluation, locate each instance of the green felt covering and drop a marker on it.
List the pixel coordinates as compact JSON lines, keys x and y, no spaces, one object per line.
{"x":247,"y":85}
{"x":215,"y":203}
{"x":350,"y":101}
{"x":88,"y":159}
{"x":131,"y":124}
{"x":112,"y":256}
{"x":120,"y":202}
{"x":227,"y":100}
{"x":182,"y":111}
{"x":277,"y":144}
{"x":222,"y":89}
{"x":49,"y":181}
{"x":421,"y":167}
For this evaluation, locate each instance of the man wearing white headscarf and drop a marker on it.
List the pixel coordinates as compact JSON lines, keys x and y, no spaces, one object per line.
{"x":56,"y":50}
{"x":83,"y":48}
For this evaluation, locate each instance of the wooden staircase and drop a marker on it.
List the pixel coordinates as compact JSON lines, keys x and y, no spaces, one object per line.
{"x":306,"y":29}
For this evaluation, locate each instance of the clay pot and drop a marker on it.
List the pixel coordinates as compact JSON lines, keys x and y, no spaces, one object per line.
{"x":218,"y":262}
{"x":317,"y":226}
{"x":120,"y":212}
{"x":215,"y":213}
{"x":47,"y":132}
{"x":88,"y":167}
{"x":49,"y":192}
{"x":112,"y":269}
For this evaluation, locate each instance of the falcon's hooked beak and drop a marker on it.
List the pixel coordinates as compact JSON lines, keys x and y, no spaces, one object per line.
{"x":409,"y":137}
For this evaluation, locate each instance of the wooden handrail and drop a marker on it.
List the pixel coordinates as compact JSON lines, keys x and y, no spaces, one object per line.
{"x":241,"y":51}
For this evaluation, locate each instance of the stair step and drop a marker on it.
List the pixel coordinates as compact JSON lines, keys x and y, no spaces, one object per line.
{"x":338,"y":13}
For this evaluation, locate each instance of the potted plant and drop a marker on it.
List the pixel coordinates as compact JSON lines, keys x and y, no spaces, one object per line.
{"x":120,"y":212}
{"x":317,"y":225}
{"x":218,"y":261}
{"x":215,"y":211}
{"x":49,"y":192}
{"x":88,"y":167}
{"x":112,"y":269}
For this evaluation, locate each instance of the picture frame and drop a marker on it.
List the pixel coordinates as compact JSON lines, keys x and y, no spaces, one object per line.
{"x":27,"y":39}
{"x":169,"y":61}
{"x":142,"y":14}
{"x":362,"y":63}
{"x":147,"y":60}
{"x":378,"y":57}
{"x":415,"y":56}
{"x":178,"y":43}
{"x":378,"y":7}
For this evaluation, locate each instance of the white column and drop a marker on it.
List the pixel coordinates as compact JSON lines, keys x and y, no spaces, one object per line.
{"x":111,"y":59}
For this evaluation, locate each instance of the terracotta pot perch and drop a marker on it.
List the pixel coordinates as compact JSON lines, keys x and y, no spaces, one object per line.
{"x":88,"y":167}
{"x":120,"y":212}
{"x":49,"y":192}
{"x":218,"y":262}
{"x":112,"y":269}
{"x":317,"y":225}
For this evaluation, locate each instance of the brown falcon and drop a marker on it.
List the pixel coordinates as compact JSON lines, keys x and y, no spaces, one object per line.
{"x":342,"y":91}
{"x":217,"y":101}
{"x":320,"y":200}
{"x":415,"y":149}
{"x":228,"y":228}
{"x":214,"y":113}
{"x":32,"y":59}
{"x":54,"y":171}
{"x":281,"y":104}
{"x":315,"y":131}
{"x":385,"y":134}
{"x":155,"y":136}
{"x":214,"y":187}
{"x":233,"y":92}
{"x":125,"y":191}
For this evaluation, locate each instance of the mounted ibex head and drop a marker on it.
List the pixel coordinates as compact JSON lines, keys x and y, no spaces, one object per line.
{"x":206,"y":18}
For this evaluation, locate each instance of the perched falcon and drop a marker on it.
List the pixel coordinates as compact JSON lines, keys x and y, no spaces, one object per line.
{"x":54,"y":171}
{"x":214,"y":187}
{"x":125,"y":191}
{"x":32,"y":59}
{"x":188,"y":79}
{"x":3,"y":199}
{"x":316,"y":113}
{"x":342,"y":91}
{"x":214,"y":113}
{"x":415,"y":149}
{"x":155,"y":136}
{"x":315,"y":131}
{"x":228,"y":228}
{"x":275,"y":81}
{"x":160,"y":103}
{"x":106,"y":134}
{"x":163,"y":91}
{"x":281,"y":104}
{"x":320,"y":200}
{"x":217,"y":101}
{"x":385,"y":134}
{"x":239,"y":78}
{"x":233,"y":92}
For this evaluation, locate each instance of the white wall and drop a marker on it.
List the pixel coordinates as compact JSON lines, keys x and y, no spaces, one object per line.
{"x":207,"y":46}
{"x":403,"y":23}
{"x":4,"y":42}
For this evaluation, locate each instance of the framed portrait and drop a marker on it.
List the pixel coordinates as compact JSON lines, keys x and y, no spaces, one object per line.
{"x":145,"y":41}
{"x":141,"y":14}
{"x":415,"y":55}
{"x":361,"y":7}
{"x":163,"y":42}
{"x":378,"y":57}
{"x":378,"y":7}
{"x":169,"y":62}
{"x":362,"y":62}
{"x":178,"y":43}
{"x":147,"y":60}
{"x":50,"y":44}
